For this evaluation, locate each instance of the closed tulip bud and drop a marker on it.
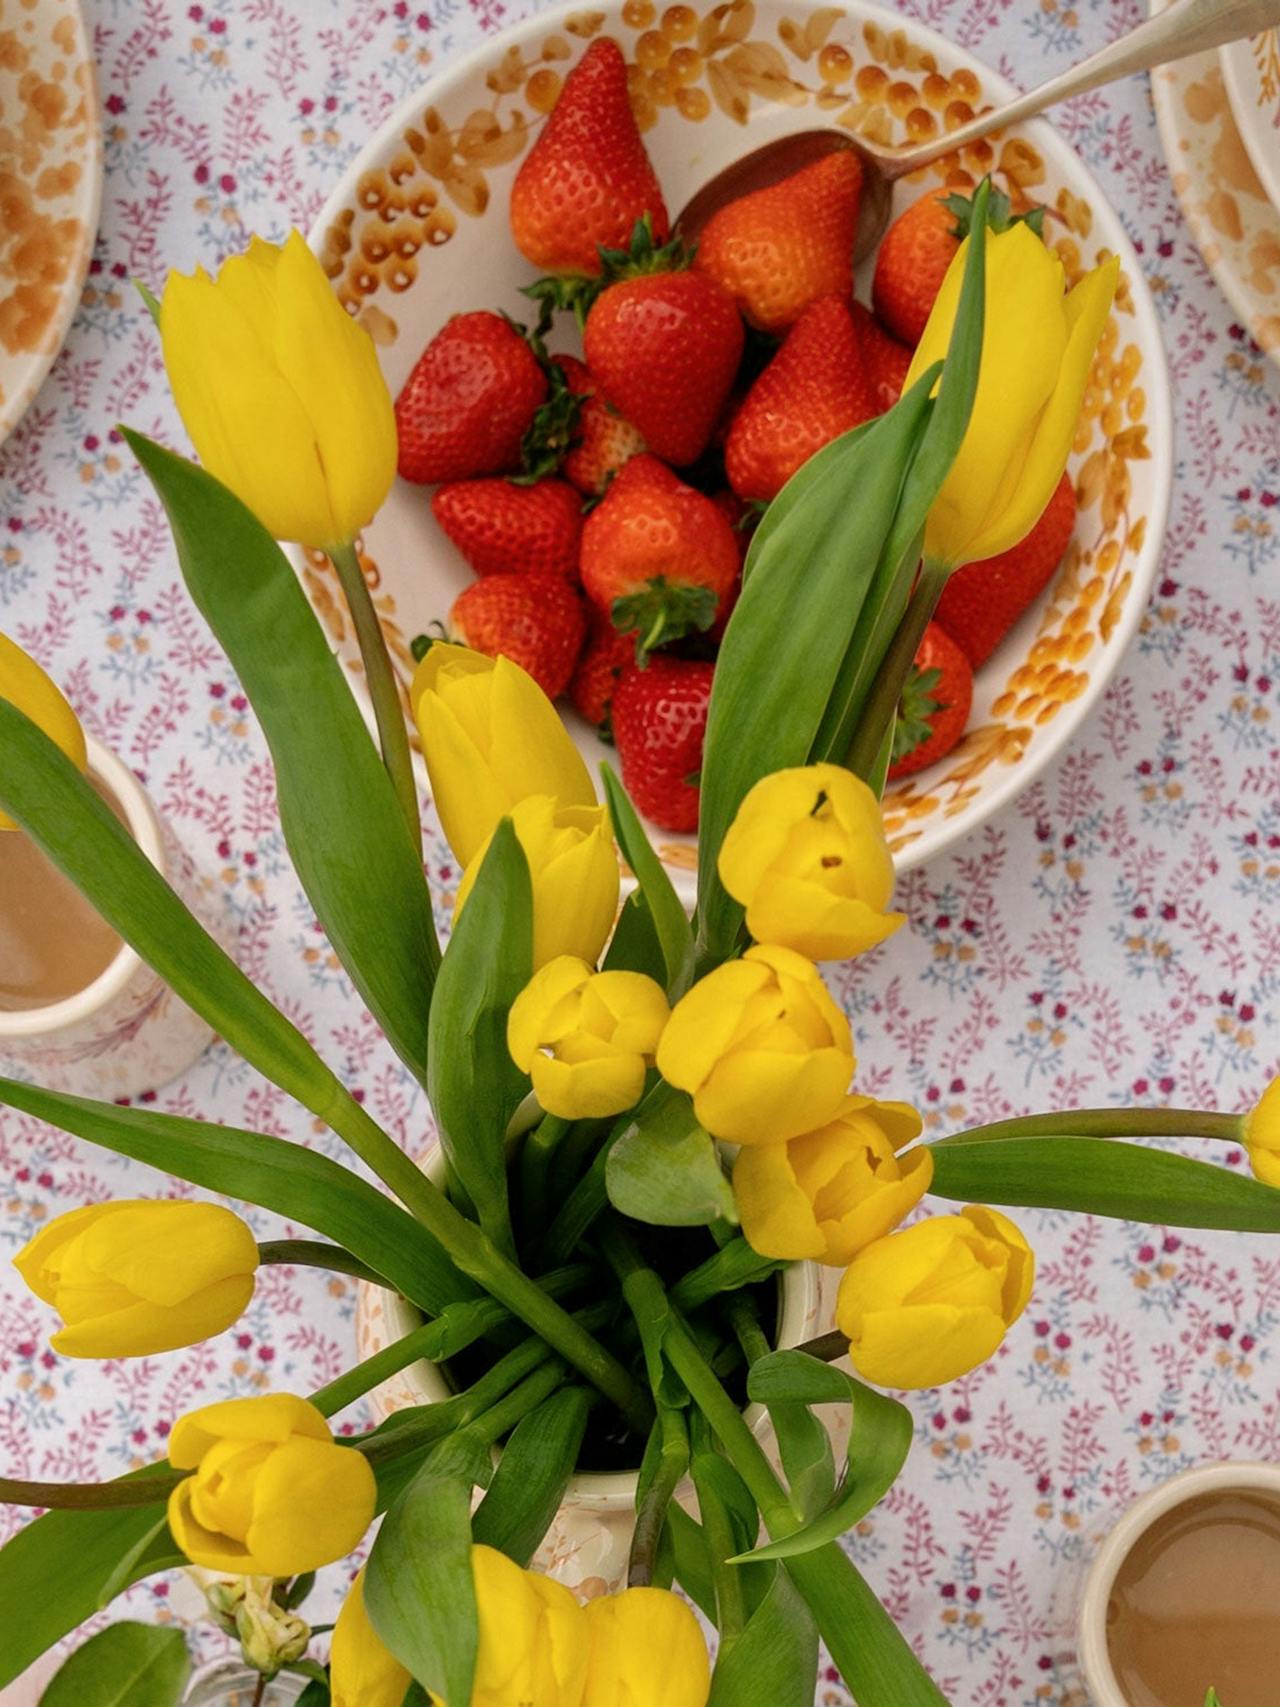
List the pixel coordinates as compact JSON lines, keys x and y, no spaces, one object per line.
{"x":646,"y":1651}
{"x":491,"y":738}
{"x":271,"y":1494}
{"x":533,"y":1636}
{"x":270,"y":1636}
{"x":826,"y":1195}
{"x":24,"y":684}
{"x":281,"y":392}
{"x":586,"y":1037}
{"x":362,"y":1671}
{"x":1262,"y":1135}
{"x":806,"y":856}
{"x":133,"y":1278}
{"x":1038,"y":348}
{"x":761,"y":1047}
{"x":933,"y":1301}
{"x":574,"y":872}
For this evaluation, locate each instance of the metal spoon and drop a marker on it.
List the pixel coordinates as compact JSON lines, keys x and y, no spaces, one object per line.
{"x":1184,"y":27}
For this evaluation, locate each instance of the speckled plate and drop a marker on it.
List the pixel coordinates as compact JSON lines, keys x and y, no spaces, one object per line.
{"x":1251,"y":72}
{"x":1230,"y":214}
{"x":417,"y":230}
{"x":50,"y":188}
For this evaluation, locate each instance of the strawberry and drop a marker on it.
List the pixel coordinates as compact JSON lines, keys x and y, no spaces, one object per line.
{"x":601,"y":440}
{"x":886,"y":359}
{"x":465,"y":407}
{"x":604,"y":657}
{"x":935,"y":702}
{"x":659,"y":722}
{"x":587,"y":179}
{"x":500,"y":526}
{"x":664,"y":344}
{"x":781,"y":248}
{"x":814,"y":389}
{"x":658,"y":557}
{"x":536,"y":620}
{"x":917,"y":249}
{"x":981,"y":602}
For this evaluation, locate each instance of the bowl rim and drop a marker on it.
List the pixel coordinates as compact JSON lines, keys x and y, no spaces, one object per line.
{"x":1133,"y":1523}
{"x":941,"y":832}
{"x":1238,"y":73}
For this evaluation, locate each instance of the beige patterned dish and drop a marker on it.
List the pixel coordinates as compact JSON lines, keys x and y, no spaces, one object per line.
{"x":1251,"y":72}
{"x":50,"y":188}
{"x":1231,"y":217}
{"x":417,"y":230}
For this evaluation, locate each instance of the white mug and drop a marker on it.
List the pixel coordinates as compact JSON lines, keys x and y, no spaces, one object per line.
{"x":126,"y":1031}
{"x":1095,"y":1657}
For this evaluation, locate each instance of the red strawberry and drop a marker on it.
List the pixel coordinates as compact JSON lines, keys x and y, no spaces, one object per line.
{"x":604,"y":657}
{"x":912,"y":262}
{"x":587,"y":179}
{"x":465,"y":407}
{"x":659,"y":722}
{"x":658,"y":557}
{"x":981,"y":602}
{"x":886,"y":359}
{"x":602,"y":440}
{"x":499,"y":526}
{"x":536,"y":620}
{"x":935,"y":702}
{"x":664,"y":347}
{"x":814,"y":389}
{"x":781,"y":248}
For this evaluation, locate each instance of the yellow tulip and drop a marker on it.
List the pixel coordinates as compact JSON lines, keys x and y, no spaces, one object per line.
{"x":533,"y":1636}
{"x":24,"y":684}
{"x":646,"y":1651}
{"x":933,"y":1301}
{"x":806,"y":856}
{"x":281,"y":392}
{"x":271,"y":1494}
{"x":362,"y":1673}
{"x":574,"y":871}
{"x":826,"y":1195}
{"x":761,"y":1047}
{"x":586,"y":1037}
{"x":133,"y":1278}
{"x":1262,"y":1135}
{"x":491,"y":738}
{"x":1037,"y":351}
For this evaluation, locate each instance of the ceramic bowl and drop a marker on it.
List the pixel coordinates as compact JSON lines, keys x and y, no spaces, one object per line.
{"x":417,"y":231}
{"x":1251,"y":72}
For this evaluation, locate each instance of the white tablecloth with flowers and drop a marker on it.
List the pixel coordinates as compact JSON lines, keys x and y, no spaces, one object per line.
{"x":1114,"y":933}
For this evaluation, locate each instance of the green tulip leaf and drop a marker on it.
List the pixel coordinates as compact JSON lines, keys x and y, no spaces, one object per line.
{"x":808,"y":572}
{"x":664,"y":1168}
{"x":418,"y":1588}
{"x":879,"y":1440}
{"x":341,"y":819}
{"x":530,"y":1481}
{"x":670,"y":921}
{"x":295,"y":1182}
{"x":125,"y":1665}
{"x":635,"y":945}
{"x":473,"y":1084}
{"x":1102,"y":1176}
{"x":773,"y":1661}
{"x":731,"y":1267}
{"x":57,"y":1570}
{"x":685,"y":1546}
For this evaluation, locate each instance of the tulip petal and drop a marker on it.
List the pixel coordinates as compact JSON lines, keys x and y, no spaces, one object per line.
{"x":588,"y":1090}
{"x":924,"y":1346}
{"x":270,"y":1416}
{"x":529,"y":1024}
{"x":1021,"y":1269}
{"x":207,"y":1547}
{"x":703,"y":1022}
{"x":37,"y":1261}
{"x":833,"y":928}
{"x":24,"y":684}
{"x":758,"y":1096}
{"x":166,"y":1251}
{"x":312,"y":1503}
{"x":142,"y":1329}
{"x":777,"y":1215}
{"x":362,"y":1671}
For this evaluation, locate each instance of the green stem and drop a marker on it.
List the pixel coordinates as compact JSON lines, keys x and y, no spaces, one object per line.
{"x":576,"y":1153}
{"x":449,"y":1333}
{"x":655,"y":1499}
{"x":731,"y":1606}
{"x":734,"y":1264}
{"x":882,"y":702}
{"x":536,"y":1157}
{"x":1111,"y":1123}
{"x":392,"y":734}
{"x":316,"y":1253}
{"x":586,"y":1202}
{"x":91,"y":1496}
{"x":747,"y":1330}
{"x":501,"y":1418}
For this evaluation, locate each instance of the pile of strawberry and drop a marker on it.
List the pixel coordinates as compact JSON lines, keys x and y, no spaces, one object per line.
{"x":606,"y":504}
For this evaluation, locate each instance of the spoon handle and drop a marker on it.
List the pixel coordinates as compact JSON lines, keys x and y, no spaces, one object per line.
{"x":1183,"y":27}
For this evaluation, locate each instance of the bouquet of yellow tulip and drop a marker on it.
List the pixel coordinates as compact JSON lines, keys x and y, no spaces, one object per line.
{"x":643,"y":1118}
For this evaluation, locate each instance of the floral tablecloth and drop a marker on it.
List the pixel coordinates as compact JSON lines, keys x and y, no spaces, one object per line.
{"x":1115,"y":933}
